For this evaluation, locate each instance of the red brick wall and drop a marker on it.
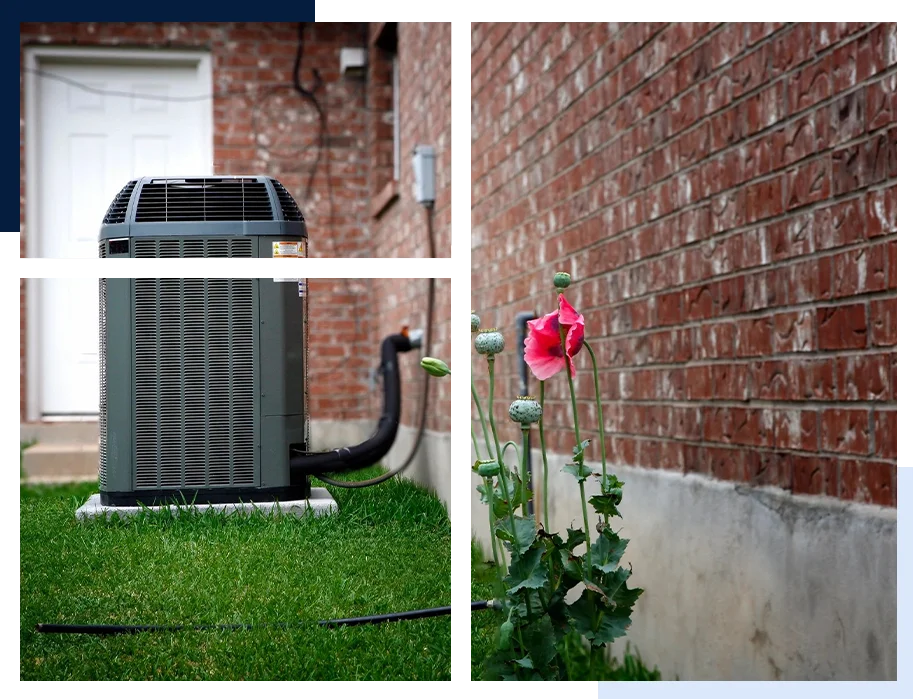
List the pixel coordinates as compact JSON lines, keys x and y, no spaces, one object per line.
{"x":725,"y":196}
{"x":269,"y":128}
{"x":401,"y":227}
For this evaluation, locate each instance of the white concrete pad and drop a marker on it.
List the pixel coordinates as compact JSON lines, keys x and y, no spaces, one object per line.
{"x":320,"y":503}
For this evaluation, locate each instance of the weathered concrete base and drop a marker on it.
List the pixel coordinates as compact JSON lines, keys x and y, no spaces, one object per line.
{"x":332,"y":434}
{"x":747,"y":583}
{"x":320,"y":503}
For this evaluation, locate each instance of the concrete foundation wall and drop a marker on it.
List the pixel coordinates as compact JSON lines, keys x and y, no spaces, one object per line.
{"x":331,"y":434}
{"x":747,"y":583}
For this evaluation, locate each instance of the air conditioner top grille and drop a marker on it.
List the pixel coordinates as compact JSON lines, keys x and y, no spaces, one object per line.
{"x":290,"y":210}
{"x":204,"y":199}
{"x":117,"y":212}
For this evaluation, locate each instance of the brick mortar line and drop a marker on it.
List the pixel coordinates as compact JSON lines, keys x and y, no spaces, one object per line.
{"x":788,"y":357}
{"x":808,"y":405}
{"x":495,"y":47}
{"x":840,"y":456}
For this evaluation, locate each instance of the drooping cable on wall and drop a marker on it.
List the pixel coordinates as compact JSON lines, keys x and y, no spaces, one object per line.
{"x":426,"y":385}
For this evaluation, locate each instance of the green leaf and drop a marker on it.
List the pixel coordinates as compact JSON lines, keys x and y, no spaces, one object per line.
{"x":625,"y":598}
{"x":525,"y":662}
{"x":528,"y":571}
{"x":579,"y":471}
{"x":481,"y":489}
{"x":611,"y":627}
{"x":612,"y":624}
{"x":575,"y":537}
{"x":606,"y":505}
{"x":579,"y":449}
{"x":573,"y":567}
{"x":611,"y":582}
{"x":612,"y":486}
{"x":513,"y":488}
{"x":606,"y":553}
{"x":526,"y":533}
{"x":539,"y":639}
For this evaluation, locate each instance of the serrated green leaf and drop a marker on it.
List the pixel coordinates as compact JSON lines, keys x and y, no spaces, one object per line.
{"x":606,"y":553}
{"x":575,"y":537}
{"x":579,"y":471}
{"x":513,"y":489}
{"x":539,"y":639}
{"x":527,"y":572}
{"x":606,"y":505}
{"x":579,"y":449}
{"x":612,"y":624}
{"x":573,"y":568}
{"x":526,"y":533}
{"x":625,"y":597}
{"x":612,"y":486}
{"x":611,"y":582}
{"x":525,"y":662}
{"x":595,"y":589}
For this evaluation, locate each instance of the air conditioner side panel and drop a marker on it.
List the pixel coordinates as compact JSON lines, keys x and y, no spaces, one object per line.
{"x":281,"y":378}
{"x":119,"y":383}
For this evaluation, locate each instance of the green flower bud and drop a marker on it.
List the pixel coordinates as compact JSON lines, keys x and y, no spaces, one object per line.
{"x":562,"y":280}
{"x":476,"y":322}
{"x":525,"y":410}
{"x":505,"y":636}
{"x":435,"y":367}
{"x":489,"y":468}
{"x":489,"y":342}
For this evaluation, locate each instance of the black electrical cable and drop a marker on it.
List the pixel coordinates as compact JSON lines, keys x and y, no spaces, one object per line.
{"x":423,"y":407}
{"x":116,"y":629}
{"x":311,"y":96}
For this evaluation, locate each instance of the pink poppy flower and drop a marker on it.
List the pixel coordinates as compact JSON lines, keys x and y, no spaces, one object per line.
{"x":543,"y":352}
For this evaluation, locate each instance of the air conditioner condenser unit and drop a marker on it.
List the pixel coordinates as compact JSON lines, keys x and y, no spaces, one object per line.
{"x":204,"y":382}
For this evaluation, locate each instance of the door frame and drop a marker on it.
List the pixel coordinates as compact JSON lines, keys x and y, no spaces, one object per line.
{"x":36,"y":58}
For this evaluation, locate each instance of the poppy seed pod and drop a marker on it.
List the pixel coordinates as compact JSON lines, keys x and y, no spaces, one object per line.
{"x":489,"y":342}
{"x":489,"y":468}
{"x":525,"y":410}
{"x":562,"y":280}
{"x":476,"y":322}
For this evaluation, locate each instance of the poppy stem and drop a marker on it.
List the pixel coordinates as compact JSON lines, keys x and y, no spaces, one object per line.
{"x":598,"y":410}
{"x":524,"y":468}
{"x":570,"y":385}
{"x":490,"y":494}
{"x":544,"y":457}
{"x":475,"y":398}
{"x":505,"y":481}
{"x":516,"y":447}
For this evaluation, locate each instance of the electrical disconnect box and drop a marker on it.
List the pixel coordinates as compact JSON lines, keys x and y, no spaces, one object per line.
{"x":423,"y":168}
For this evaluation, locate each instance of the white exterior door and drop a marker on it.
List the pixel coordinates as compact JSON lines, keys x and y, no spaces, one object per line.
{"x":100,"y":124}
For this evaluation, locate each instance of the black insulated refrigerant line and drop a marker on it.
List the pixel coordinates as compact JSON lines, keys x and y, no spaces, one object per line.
{"x":303,"y":463}
{"x":117,"y":629}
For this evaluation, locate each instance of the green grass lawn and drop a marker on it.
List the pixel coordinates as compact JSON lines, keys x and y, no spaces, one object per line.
{"x":387,"y":550}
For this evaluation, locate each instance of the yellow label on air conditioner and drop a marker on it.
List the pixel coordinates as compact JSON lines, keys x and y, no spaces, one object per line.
{"x":284,"y":248}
